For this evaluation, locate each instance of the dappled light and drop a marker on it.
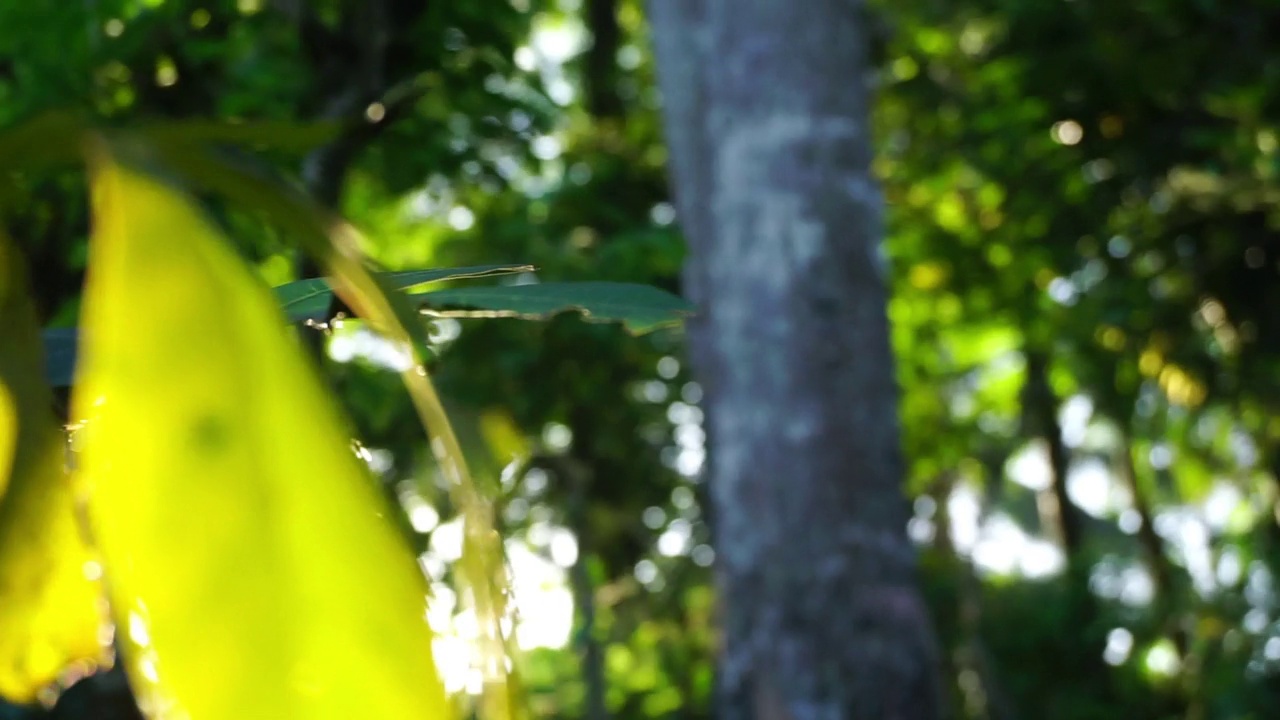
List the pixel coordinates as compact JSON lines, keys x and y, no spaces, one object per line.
{"x":529,"y":359}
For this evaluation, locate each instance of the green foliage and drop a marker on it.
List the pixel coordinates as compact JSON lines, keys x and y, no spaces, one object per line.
{"x":170,"y":622}
{"x":312,"y":299}
{"x":1082,"y":228}
{"x":1094,"y":182}
{"x":641,"y":308}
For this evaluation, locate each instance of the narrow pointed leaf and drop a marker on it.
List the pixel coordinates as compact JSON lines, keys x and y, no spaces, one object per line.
{"x":310,"y":299}
{"x":641,"y":308}
{"x":50,"y":612}
{"x":410,"y":279}
{"x":252,"y":570}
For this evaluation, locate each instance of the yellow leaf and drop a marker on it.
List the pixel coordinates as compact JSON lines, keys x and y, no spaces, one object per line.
{"x":251,"y":568}
{"x":50,"y":616}
{"x":335,"y":244}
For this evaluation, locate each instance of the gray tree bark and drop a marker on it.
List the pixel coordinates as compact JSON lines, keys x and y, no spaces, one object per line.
{"x":766,"y":112}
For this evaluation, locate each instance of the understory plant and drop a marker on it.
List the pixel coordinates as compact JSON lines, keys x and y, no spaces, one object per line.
{"x":200,"y":508}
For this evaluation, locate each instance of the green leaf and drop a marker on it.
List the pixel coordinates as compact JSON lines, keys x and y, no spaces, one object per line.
{"x":641,"y":308}
{"x":46,"y":141}
{"x":305,"y":299}
{"x":50,"y":618}
{"x":408,"y":280}
{"x":310,"y":299}
{"x":260,"y":135}
{"x":301,"y":300}
{"x":250,"y":563}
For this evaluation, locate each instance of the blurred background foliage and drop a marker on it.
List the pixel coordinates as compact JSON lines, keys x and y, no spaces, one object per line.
{"x":1083,"y":228}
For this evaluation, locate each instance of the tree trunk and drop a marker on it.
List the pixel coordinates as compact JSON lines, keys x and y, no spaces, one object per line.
{"x":766,"y":110}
